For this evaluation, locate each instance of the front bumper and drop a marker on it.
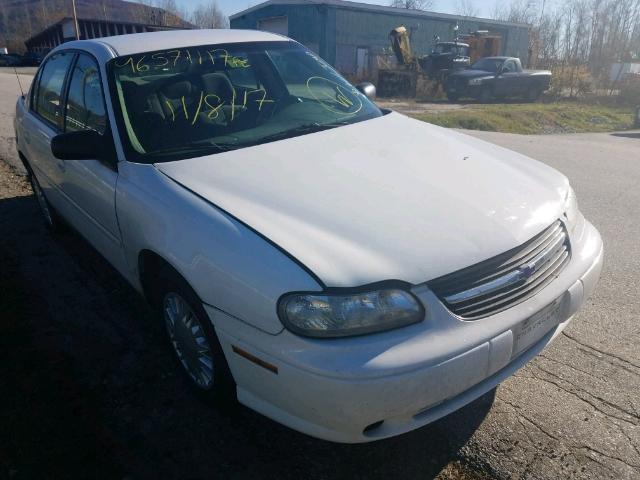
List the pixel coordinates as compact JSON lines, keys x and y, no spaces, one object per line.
{"x":402,"y":379}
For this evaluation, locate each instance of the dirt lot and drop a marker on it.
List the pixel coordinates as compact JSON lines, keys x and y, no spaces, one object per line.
{"x":90,"y":391}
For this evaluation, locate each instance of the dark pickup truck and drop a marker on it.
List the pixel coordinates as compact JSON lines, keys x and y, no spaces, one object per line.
{"x":500,"y":77}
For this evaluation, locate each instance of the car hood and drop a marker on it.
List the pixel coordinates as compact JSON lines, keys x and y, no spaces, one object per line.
{"x":387,"y":198}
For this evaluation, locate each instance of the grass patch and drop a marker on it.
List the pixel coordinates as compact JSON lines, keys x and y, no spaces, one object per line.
{"x":535,"y":118}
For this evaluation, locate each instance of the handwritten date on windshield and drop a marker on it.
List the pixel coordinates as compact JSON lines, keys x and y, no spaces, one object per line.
{"x":210,"y":105}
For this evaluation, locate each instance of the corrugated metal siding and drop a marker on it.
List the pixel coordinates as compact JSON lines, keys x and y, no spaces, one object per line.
{"x":336,"y":32}
{"x":306,"y":23}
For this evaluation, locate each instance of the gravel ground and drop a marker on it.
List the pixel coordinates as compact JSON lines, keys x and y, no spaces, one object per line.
{"x":412,"y":107}
{"x":91,"y":390}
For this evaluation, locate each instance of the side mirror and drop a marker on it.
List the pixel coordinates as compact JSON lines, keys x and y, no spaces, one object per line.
{"x":368,"y":89}
{"x":84,"y":145}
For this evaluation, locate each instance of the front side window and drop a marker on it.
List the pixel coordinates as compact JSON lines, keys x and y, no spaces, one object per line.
{"x":85,"y":100}
{"x":188,"y":102}
{"x":488,"y":65}
{"x":48,"y":95}
{"x":509,"y":66}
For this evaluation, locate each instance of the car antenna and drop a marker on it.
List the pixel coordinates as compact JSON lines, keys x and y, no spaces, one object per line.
{"x":19,"y":83}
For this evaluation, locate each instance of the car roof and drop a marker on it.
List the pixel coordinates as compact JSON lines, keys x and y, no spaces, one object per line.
{"x":496,"y":58}
{"x":145,"y":42}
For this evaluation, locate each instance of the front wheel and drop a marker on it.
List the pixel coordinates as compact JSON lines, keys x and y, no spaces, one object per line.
{"x":485,"y":95}
{"x":194,"y":341}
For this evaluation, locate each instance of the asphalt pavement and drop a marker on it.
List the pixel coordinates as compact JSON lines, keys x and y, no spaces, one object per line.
{"x":573,"y":412}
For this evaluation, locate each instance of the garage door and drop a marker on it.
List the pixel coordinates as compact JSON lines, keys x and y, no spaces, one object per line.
{"x":278,"y":25}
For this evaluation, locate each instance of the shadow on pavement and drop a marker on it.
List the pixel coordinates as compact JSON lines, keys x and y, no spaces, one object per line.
{"x":91,"y":391}
{"x":627,"y":134}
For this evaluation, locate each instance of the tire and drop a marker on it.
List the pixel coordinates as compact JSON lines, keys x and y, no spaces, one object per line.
{"x":51,"y":218}
{"x":533,"y":95}
{"x":453,"y":97}
{"x":188,"y":328}
{"x":485,"y":95}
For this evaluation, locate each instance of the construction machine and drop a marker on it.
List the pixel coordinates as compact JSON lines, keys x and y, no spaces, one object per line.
{"x":482,"y":44}
{"x":423,"y":75}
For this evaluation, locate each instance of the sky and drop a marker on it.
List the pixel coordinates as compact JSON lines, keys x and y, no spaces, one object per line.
{"x":229,"y":7}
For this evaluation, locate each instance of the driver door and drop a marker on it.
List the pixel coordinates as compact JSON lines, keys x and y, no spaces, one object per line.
{"x":90,"y":185}
{"x":508,"y":79}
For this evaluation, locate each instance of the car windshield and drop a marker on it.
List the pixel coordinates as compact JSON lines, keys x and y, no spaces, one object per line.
{"x":457,"y":49}
{"x":187,"y":102}
{"x":488,"y":65}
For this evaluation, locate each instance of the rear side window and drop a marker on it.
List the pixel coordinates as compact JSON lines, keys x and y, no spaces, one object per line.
{"x":48,"y":95}
{"x":85,"y":100}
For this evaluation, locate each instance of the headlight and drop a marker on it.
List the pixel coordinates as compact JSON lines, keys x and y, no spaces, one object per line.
{"x":572,"y":211}
{"x":341,"y":315}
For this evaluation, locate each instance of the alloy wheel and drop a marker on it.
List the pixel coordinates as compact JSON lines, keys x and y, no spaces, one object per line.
{"x":189,"y":340}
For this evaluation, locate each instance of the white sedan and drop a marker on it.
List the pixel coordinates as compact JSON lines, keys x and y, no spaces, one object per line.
{"x":345,"y":270}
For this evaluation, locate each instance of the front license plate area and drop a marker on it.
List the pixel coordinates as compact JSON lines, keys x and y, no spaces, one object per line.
{"x":536,"y":326}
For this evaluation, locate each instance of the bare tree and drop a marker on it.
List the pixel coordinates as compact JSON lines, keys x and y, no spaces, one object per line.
{"x":466,"y":8}
{"x":413,"y":4}
{"x":175,"y":12}
{"x":580,"y":39}
{"x":209,"y":15}
{"x":518,"y":11}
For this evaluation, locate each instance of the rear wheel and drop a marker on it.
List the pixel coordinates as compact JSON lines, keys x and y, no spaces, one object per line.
{"x":50,"y":216}
{"x":453,"y":97}
{"x":193,"y":340}
{"x":533,"y":95}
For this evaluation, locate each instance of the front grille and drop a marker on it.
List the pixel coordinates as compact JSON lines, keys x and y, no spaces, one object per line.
{"x":501,"y":282}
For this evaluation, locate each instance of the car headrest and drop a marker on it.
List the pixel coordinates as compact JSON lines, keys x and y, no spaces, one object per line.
{"x":218,"y":83}
{"x":177,"y":90}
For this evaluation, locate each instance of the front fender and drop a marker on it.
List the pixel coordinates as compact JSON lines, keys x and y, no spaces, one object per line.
{"x":230,"y":267}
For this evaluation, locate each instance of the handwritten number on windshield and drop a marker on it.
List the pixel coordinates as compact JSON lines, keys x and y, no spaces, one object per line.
{"x":173,"y":58}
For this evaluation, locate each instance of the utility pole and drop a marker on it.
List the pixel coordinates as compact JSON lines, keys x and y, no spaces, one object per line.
{"x":75,"y":19}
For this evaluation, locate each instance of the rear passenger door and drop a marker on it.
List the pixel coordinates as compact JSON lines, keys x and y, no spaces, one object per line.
{"x":43,"y":122}
{"x":90,"y":185}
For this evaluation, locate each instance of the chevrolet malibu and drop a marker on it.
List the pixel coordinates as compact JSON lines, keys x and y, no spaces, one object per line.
{"x":342,"y":269}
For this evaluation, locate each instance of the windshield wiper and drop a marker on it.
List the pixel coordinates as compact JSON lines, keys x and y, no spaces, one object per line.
{"x":211,"y":147}
{"x":300,"y":130}
{"x":196,"y":148}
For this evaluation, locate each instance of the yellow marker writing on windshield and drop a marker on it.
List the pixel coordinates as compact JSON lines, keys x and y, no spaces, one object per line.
{"x":195,"y":117}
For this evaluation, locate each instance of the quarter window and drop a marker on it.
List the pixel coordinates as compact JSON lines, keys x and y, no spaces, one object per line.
{"x":85,"y":101}
{"x":49,"y":91}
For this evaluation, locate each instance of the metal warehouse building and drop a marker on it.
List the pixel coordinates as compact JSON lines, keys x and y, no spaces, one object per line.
{"x":102,"y":19}
{"x":350,"y":35}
